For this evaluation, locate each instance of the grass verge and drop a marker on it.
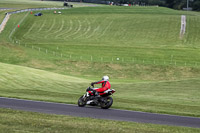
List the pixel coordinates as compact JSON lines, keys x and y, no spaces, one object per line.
{"x":20,"y":121}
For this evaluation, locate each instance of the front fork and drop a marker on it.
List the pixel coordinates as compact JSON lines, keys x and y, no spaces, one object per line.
{"x":85,"y":96}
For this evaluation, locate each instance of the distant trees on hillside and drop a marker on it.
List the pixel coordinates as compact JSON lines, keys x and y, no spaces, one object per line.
{"x":175,"y":4}
{"x":180,"y":4}
{"x":196,"y":5}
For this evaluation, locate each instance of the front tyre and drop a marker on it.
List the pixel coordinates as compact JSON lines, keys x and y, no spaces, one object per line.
{"x":106,"y":103}
{"x":81,"y":102}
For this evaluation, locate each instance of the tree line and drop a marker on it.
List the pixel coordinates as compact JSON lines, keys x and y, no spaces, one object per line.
{"x":175,"y":4}
{"x":180,"y":4}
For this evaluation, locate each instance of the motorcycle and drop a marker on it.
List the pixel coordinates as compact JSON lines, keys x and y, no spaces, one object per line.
{"x":103,"y":99}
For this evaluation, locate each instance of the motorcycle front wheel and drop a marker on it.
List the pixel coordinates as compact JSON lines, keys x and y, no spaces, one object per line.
{"x":81,"y":102}
{"x":106,"y":103}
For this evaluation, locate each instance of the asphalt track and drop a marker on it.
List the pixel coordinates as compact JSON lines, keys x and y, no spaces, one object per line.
{"x":95,"y":112}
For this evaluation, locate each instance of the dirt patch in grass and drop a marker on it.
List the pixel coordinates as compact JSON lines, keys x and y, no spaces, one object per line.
{"x":127,"y":71}
{"x":40,"y":64}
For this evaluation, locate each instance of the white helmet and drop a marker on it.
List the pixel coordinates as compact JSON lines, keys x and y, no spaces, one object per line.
{"x":105,"y":78}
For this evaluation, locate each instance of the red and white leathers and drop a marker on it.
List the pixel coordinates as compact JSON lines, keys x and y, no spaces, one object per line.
{"x":105,"y":86}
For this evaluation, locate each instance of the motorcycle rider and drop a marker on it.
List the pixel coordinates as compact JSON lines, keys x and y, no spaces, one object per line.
{"x":105,"y":85}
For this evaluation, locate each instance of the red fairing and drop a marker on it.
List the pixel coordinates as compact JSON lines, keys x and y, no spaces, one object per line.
{"x":105,"y":86}
{"x":90,"y":92}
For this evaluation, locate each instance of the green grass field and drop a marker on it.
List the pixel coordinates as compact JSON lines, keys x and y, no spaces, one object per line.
{"x":2,"y":15}
{"x":55,"y":57}
{"x":179,"y":97}
{"x":18,"y":121}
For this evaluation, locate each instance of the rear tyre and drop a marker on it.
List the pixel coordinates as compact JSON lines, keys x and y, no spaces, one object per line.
{"x":81,"y":102}
{"x":106,"y":103}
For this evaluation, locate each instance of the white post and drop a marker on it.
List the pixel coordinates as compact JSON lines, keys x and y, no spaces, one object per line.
{"x":171,"y":58}
{"x":46,"y":51}
{"x":91,"y":58}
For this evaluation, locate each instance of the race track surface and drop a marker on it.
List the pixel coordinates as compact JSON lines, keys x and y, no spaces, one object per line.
{"x":95,"y":112}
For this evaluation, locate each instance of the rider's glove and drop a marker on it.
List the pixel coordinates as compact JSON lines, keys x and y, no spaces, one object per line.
{"x":92,"y":84}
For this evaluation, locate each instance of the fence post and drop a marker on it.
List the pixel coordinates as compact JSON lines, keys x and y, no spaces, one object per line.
{"x":171,"y":58}
{"x":91,"y":58}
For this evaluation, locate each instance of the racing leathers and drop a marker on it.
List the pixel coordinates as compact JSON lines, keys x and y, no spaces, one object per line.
{"x":105,"y":86}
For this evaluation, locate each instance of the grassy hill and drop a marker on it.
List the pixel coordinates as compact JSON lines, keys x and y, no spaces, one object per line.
{"x":172,"y":97}
{"x":145,"y":40}
{"x":155,"y":66}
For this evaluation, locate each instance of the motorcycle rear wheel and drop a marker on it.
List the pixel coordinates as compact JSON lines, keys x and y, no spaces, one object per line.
{"x":81,"y":102}
{"x":107,"y":103}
